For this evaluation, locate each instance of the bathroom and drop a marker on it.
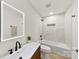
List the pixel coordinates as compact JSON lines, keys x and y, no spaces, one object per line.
{"x":54,"y":20}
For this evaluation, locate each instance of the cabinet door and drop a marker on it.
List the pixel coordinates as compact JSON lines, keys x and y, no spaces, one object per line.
{"x":37,"y":54}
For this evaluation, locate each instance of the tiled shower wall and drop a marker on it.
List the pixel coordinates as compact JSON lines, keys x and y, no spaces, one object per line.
{"x":53,"y":28}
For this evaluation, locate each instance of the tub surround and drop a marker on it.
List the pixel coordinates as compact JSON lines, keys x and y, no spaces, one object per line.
{"x":57,"y":44}
{"x":28,"y":51}
{"x":58,"y":48}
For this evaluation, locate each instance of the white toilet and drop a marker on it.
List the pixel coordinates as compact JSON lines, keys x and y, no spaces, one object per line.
{"x":45,"y":50}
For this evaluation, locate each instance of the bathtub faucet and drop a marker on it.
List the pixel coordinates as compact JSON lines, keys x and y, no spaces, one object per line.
{"x":41,"y":37}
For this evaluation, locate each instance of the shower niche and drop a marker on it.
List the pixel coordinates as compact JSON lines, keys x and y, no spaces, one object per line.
{"x":12,"y":22}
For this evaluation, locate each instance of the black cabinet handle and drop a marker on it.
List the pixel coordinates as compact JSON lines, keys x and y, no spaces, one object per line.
{"x":76,"y":50}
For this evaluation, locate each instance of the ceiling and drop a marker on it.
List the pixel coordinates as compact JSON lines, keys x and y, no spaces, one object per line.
{"x":48,"y":7}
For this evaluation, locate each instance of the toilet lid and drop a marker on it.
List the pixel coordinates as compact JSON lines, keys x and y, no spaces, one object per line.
{"x":44,"y":47}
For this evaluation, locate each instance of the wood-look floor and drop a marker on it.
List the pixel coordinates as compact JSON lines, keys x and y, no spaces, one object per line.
{"x":56,"y":56}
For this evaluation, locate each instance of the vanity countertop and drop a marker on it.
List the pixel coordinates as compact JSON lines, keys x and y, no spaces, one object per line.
{"x":30,"y":49}
{"x":26,"y":51}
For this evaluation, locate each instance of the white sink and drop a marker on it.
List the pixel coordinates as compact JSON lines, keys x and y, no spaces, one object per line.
{"x":13,"y":56}
{"x":25,"y":52}
{"x":16,"y":54}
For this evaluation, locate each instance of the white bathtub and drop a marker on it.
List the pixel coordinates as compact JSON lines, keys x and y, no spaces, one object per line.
{"x":59,"y":48}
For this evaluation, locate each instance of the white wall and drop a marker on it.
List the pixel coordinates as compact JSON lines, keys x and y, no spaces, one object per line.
{"x":31,"y":24}
{"x":54,"y":33}
{"x":68,"y":27}
{"x":71,"y":25}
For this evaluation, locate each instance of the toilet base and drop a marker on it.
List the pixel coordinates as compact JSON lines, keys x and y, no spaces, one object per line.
{"x":44,"y":55}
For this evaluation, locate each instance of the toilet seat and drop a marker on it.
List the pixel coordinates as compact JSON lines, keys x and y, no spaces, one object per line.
{"x":45,"y":49}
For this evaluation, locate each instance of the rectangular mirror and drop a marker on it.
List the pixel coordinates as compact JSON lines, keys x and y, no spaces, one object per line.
{"x":12,"y":22}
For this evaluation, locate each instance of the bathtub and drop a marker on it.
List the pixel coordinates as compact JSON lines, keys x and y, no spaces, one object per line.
{"x":57,"y":47}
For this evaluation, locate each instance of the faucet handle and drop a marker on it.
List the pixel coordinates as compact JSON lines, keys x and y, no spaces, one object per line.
{"x":10,"y":51}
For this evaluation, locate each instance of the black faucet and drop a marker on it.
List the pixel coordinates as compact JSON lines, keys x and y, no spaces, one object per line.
{"x":16,"y":46}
